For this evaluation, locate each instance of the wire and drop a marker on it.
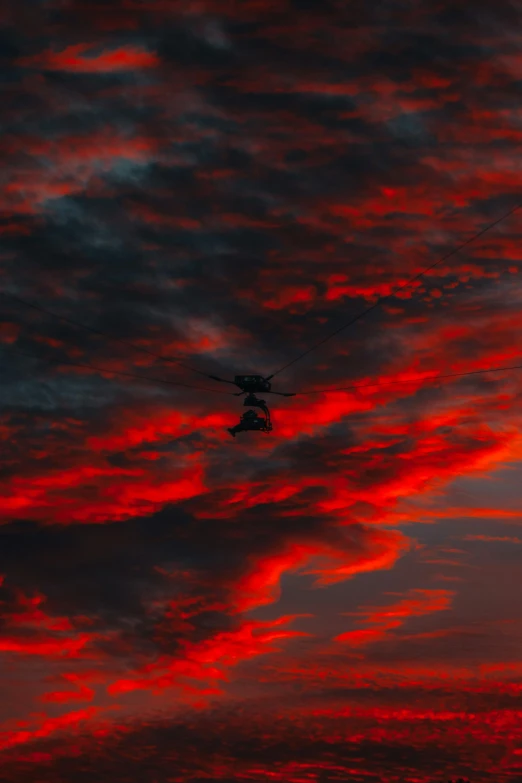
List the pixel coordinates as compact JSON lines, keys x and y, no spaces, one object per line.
{"x":79,"y":325}
{"x":113,"y":372}
{"x":231,"y":394}
{"x":382,"y":299}
{"x":412,"y":380}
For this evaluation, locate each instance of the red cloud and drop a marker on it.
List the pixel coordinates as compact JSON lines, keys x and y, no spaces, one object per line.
{"x":80,"y":58}
{"x":387,"y":618}
{"x":324,"y":204}
{"x":69,"y":721}
{"x":62,"y":697}
{"x":121,"y":493}
{"x":29,"y":631}
{"x":205,"y":664}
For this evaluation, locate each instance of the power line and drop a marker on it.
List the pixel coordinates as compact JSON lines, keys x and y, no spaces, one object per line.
{"x":394,"y":291}
{"x":411,"y":380}
{"x":100,"y":333}
{"x":113,"y":372}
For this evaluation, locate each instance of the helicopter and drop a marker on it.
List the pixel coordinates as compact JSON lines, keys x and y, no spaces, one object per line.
{"x":249,"y":385}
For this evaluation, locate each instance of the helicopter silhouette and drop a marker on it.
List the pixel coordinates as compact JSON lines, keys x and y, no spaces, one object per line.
{"x":251,"y":385}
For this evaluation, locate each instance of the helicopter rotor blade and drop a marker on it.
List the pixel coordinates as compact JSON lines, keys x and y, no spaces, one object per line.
{"x":221,"y":380}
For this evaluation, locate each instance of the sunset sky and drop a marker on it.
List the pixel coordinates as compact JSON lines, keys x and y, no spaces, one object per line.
{"x":226,"y":183}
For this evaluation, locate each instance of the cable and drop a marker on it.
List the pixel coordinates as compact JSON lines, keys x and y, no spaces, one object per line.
{"x":382,"y":299}
{"x":231,"y":394}
{"x":114,"y":372}
{"x":79,"y":325}
{"x":412,"y":380}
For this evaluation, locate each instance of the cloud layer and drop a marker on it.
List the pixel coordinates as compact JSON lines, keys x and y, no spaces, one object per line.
{"x":225,"y":184}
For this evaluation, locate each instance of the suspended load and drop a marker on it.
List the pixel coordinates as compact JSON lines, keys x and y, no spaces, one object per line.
{"x":251,"y":420}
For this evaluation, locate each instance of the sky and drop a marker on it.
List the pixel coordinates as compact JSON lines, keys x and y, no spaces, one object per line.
{"x":225,"y":184}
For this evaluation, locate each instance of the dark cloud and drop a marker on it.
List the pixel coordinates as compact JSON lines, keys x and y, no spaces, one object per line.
{"x":220,"y":748}
{"x":101,"y":570}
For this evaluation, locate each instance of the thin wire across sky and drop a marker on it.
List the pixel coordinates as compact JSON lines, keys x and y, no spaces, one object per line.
{"x":396,"y":290}
{"x":179,"y":362}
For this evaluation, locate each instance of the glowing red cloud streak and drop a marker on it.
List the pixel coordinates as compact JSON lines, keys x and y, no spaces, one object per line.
{"x":206,"y":662}
{"x":311,"y":417}
{"x":261,"y":584}
{"x":419,"y":603}
{"x":31,"y":632}
{"x":383,"y":549}
{"x":67,"y":722}
{"x":80,"y":58}
{"x":45,"y":647}
{"x":386,"y":618}
{"x":157,"y":426}
{"x":63,"y":697}
{"x":121,"y":493}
